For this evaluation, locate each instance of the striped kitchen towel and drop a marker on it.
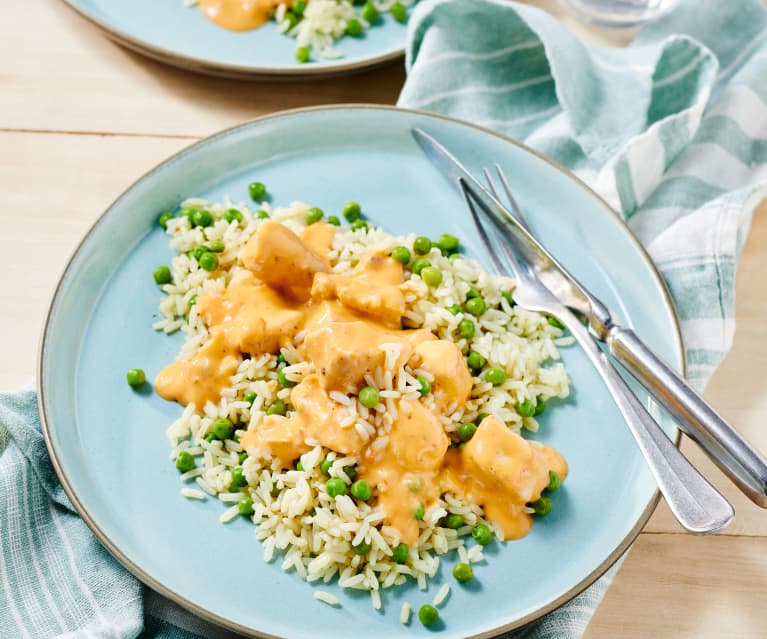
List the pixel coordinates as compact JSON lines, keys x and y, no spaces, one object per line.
{"x":671,"y":131}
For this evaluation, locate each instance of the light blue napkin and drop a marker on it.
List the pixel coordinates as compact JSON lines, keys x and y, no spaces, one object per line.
{"x":672,"y":131}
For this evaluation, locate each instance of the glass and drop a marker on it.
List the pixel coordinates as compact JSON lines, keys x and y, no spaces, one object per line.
{"x":619,"y":13}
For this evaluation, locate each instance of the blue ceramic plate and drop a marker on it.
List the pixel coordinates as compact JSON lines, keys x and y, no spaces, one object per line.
{"x":182,"y":36}
{"x":108,"y":442}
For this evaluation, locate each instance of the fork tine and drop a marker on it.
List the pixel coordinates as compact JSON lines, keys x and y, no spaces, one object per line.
{"x":514,"y":206}
{"x":490,"y":183}
{"x":499,"y":265}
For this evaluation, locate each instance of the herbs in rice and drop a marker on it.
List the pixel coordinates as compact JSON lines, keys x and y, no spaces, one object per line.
{"x":358,"y":396}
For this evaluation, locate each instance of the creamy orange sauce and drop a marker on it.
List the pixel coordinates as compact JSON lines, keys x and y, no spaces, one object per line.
{"x":288,"y":289}
{"x":200,"y":379}
{"x":239,"y":15}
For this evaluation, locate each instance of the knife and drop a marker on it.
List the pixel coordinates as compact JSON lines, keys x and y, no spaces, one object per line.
{"x":745,"y":466}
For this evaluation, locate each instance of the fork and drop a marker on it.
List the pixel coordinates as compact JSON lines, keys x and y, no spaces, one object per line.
{"x":695,"y":503}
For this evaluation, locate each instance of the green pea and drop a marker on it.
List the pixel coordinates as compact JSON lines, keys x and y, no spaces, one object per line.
{"x":202,"y":218}
{"x":480,"y":417}
{"x":370,"y":13}
{"x":525,"y":408}
{"x":369,"y":397}
{"x":335,"y":486}
{"x":553,"y":321}
{"x":466,"y":431}
{"x":472,"y":293}
{"x":422,"y":245}
{"x":257,"y":191}
{"x":299,"y":466}
{"x":281,"y":360}
{"x":362,"y":548}
{"x":164,"y":217}
{"x":447,"y":243}
{"x":476,"y":306}
{"x":542,"y":506}
{"x":291,"y":19}
{"x":427,"y":614}
{"x":210,"y":437}
{"x":222,"y":428}
{"x":554,"y":481}
{"x":185,"y":462}
{"x":540,"y":406}
{"x":162,"y":275}
{"x":208,"y":262}
{"x":359,"y":224}
{"x":454,"y":256}
{"x":351,"y":472}
{"x":325,"y":466}
{"x":277,"y":408}
{"x":354,"y":28}
{"x":298,"y":7}
{"x":401,"y":254}
{"x":232,"y":215}
{"x":284,"y":381}
{"x":250,"y":397}
{"x":245,"y":506}
{"x":136,"y":377}
{"x":454,"y":309}
{"x":238,"y":479}
{"x":419,"y":512}
{"x":262,"y":215}
{"x":425,"y":385}
{"x":199,"y":251}
{"x":496,"y":376}
{"x":361,"y":490}
{"x":333,"y":219}
{"x":314,"y":215}
{"x":242,"y":457}
{"x":352,"y":211}
{"x":463,"y":572}
{"x":192,"y":301}
{"x":217,"y":246}
{"x":400,"y":553}
{"x":482,"y":534}
{"x":509,"y":299}
{"x":475,"y":361}
{"x":466,"y":328}
{"x":453,"y":521}
{"x":431,"y":276}
{"x":419,"y":265}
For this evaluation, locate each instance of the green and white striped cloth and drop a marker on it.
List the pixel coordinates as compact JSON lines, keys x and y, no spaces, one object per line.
{"x":672,"y":131}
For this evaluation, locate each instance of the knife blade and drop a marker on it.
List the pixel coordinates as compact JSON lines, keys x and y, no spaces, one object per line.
{"x":743,"y":464}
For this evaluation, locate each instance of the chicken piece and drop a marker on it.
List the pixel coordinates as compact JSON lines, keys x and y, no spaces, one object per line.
{"x":321,"y":417}
{"x":280,"y":437}
{"x":318,"y":237}
{"x":452,"y":379}
{"x":506,"y":461}
{"x":405,"y":471}
{"x":372,"y":289}
{"x":278,"y":257}
{"x":344,"y":352}
{"x":253,"y":317}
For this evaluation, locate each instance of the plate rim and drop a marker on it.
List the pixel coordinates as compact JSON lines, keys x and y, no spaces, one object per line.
{"x":226,"y":70}
{"x":208,"y":615}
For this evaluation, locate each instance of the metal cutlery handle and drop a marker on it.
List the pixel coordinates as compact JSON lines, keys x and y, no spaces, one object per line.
{"x":696,"y":504}
{"x":733,"y":454}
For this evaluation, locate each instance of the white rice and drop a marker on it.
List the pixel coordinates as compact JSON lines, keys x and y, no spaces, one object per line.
{"x":404,"y":614}
{"x":297,"y":522}
{"x":326,"y":597}
{"x":441,"y":595}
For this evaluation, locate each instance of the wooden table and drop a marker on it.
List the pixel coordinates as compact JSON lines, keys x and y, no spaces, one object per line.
{"x":81,"y":119}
